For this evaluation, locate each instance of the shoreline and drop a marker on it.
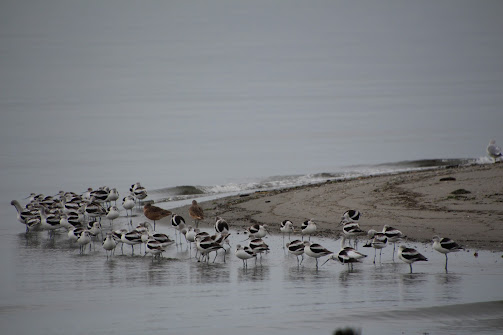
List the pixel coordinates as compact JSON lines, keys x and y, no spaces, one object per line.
{"x":419,"y":203}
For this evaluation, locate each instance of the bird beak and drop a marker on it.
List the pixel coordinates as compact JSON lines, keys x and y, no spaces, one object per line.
{"x":325,"y":262}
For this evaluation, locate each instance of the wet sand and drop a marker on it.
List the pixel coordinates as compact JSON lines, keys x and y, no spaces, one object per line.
{"x":463,"y":203}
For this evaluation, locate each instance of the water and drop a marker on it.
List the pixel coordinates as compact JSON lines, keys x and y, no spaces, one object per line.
{"x":227,"y":97}
{"x":179,"y":295}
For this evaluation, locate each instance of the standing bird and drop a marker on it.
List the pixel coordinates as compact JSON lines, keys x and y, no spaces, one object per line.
{"x":196,"y":213}
{"x":347,"y":255}
{"x":178,"y":222}
{"x":257,"y":231}
{"x":308,"y":228}
{"x":109,"y":243}
{"x":286,"y":227}
{"x":83,"y":240}
{"x":445,"y":245}
{"x":409,"y":256}
{"x":378,"y":241}
{"x":155,"y":213}
{"x":221,"y":226}
{"x":112,"y":214}
{"x":352,"y":229}
{"x":296,"y":248}
{"x":128,"y":204}
{"x":244,"y":253}
{"x":493,"y":150}
{"x":315,"y":250}
{"x":351,"y":215}
{"x":394,"y":235}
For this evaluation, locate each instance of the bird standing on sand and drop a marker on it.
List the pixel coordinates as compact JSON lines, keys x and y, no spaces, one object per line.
{"x":155,"y":213}
{"x":493,"y":150}
{"x":409,"y":255}
{"x":445,"y":245}
{"x":196,"y":212}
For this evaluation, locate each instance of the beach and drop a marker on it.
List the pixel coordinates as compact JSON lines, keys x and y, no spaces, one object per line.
{"x":464,"y":203}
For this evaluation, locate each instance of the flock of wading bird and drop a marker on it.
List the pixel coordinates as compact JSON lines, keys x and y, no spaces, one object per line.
{"x":80,"y":215}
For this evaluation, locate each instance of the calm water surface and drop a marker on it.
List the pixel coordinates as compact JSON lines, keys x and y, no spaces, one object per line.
{"x":57,"y":290}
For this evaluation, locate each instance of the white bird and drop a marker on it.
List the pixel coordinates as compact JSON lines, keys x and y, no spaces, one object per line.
{"x":493,"y":150}
{"x":308,"y":228}
{"x":83,"y":240}
{"x":109,"y":243}
{"x":410,"y":255}
{"x":128,"y":204}
{"x":351,"y":215}
{"x":257,"y":231}
{"x":378,"y":241}
{"x":178,"y":222}
{"x":221,"y":225}
{"x":315,"y":250}
{"x":113,"y":195}
{"x":394,"y":235}
{"x":445,"y":245}
{"x":347,"y":255}
{"x":286,"y":227}
{"x":244,"y":253}
{"x":296,"y":248}
{"x":112,"y":214}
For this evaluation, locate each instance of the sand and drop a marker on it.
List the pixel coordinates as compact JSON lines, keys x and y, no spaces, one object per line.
{"x":462,"y":203}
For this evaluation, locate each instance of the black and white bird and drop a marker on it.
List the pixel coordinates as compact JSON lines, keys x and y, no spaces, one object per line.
{"x":296,"y":248}
{"x":286,"y":227}
{"x":347,"y":255}
{"x":315,"y":250}
{"x":394,"y":235}
{"x":178,"y":222}
{"x":445,"y":245}
{"x":308,"y":228}
{"x":410,"y":255}
{"x":244,"y":253}
{"x":378,"y":241}
{"x":221,"y":226}
{"x":351,"y":215}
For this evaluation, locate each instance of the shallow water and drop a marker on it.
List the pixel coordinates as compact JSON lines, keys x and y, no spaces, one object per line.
{"x":57,"y":289}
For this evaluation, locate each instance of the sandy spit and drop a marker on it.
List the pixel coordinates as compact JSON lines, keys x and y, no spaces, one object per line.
{"x":462,"y":203}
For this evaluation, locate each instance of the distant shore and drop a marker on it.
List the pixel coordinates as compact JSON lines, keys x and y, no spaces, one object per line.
{"x":463,"y":203}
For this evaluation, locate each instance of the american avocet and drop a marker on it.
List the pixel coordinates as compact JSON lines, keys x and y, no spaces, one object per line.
{"x":49,"y":221}
{"x":109,"y":243}
{"x":286,"y":227}
{"x":377,"y":241}
{"x":132,"y":238}
{"x":296,"y":248}
{"x":162,"y":238}
{"x":205,"y":245}
{"x":178,"y":222}
{"x":351,"y":215}
{"x":74,"y":233}
{"x":155,"y":213}
{"x":445,"y":245}
{"x":394,"y":235}
{"x":258,"y":246}
{"x":196,"y":213}
{"x":138,"y":191}
{"x":308,"y":228}
{"x":257,"y":231}
{"x":244,"y":253}
{"x":117,"y":235}
{"x":410,"y":255}
{"x":190,"y":235}
{"x":315,"y":250}
{"x":352,"y":230}
{"x":83,"y":240}
{"x":222,"y":239}
{"x":347,"y":255}
{"x":94,"y":209}
{"x":493,"y":150}
{"x":113,"y":195}
{"x":112,"y":214}
{"x":100,"y":195}
{"x":154,"y":247}
{"x":128,"y":204}
{"x":24,"y":215}
{"x":221,"y":226}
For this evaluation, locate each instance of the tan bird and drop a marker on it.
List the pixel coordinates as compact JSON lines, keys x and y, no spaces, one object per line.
{"x":155,"y":213}
{"x":196,"y":212}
